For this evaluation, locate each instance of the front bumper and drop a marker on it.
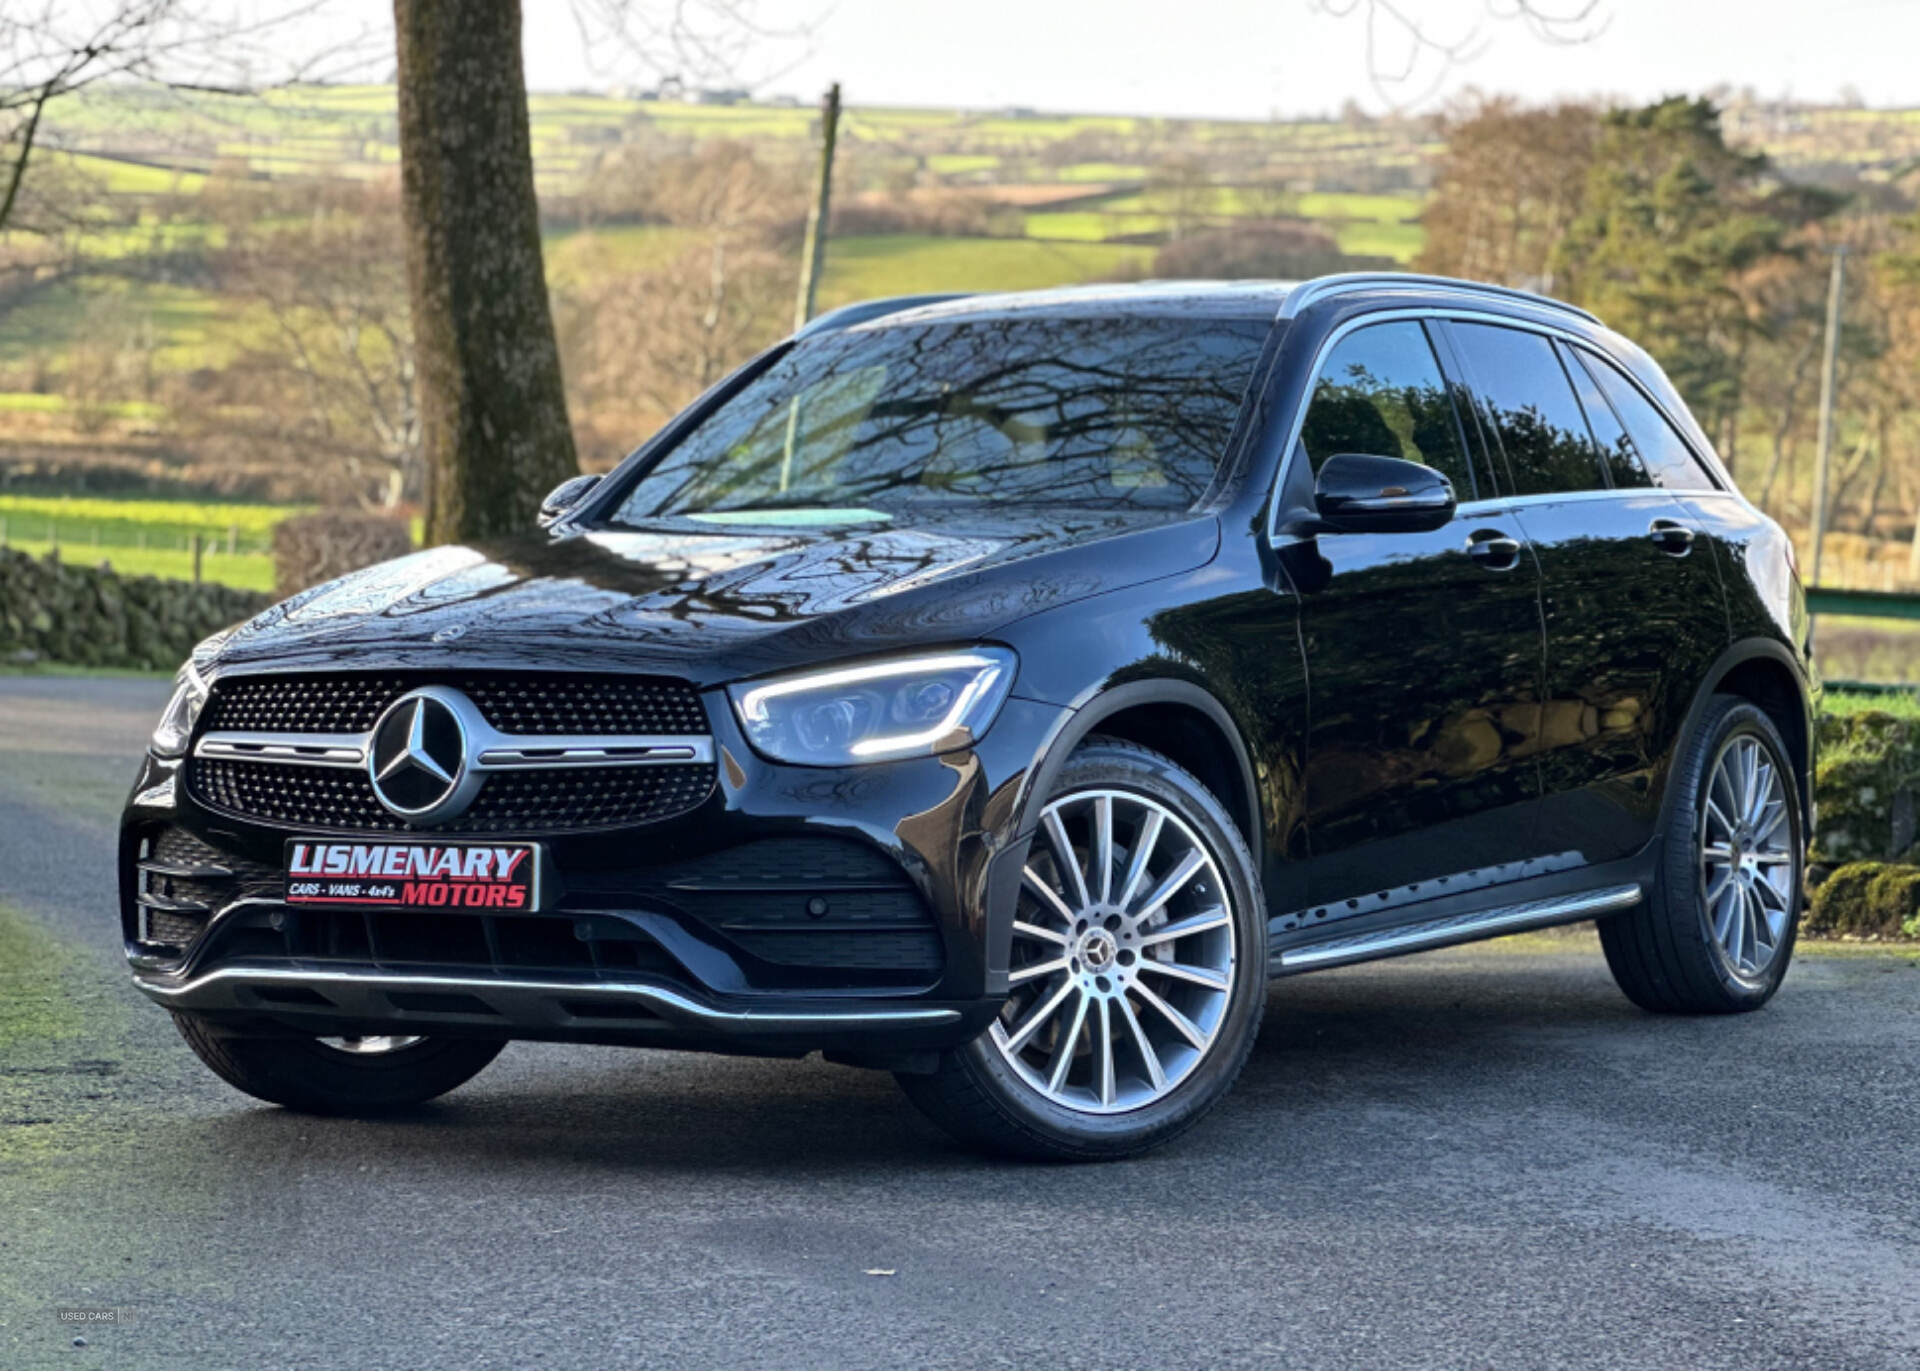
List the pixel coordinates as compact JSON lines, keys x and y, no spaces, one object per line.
{"x":368,"y":999}
{"x":645,"y":963}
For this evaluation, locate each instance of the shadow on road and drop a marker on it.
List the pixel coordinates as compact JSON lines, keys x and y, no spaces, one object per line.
{"x":1330,"y":1043}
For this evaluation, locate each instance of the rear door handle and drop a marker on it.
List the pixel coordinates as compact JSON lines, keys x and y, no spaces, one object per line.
{"x":1671,"y":537}
{"x":1494,"y":550}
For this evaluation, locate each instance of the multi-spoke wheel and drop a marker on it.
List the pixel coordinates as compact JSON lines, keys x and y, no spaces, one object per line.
{"x":359,"y":1075}
{"x":1747,"y":863}
{"x":1137,"y":970}
{"x":1123,"y":954}
{"x":1717,"y":931}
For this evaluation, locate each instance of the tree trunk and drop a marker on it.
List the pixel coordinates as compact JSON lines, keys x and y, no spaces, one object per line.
{"x":493,"y":410}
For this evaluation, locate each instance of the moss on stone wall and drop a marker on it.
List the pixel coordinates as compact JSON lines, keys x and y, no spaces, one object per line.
{"x":1866,"y":781}
{"x":1867,"y":899}
{"x":85,"y":616}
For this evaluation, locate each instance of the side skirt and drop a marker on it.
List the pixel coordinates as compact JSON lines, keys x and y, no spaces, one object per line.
{"x":1541,"y":902}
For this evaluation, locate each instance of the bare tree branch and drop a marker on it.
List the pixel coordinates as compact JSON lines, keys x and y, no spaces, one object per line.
{"x":691,"y":43}
{"x":1409,"y":59}
{"x":55,"y":48}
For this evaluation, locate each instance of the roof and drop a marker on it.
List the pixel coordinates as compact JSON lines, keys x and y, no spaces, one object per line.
{"x":1265,"y":300}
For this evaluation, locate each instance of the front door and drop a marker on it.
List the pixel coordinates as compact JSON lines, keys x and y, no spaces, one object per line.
{"x":1423,"y":653}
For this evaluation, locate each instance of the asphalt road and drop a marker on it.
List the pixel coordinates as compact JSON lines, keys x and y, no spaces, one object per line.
{"x":1477,"y":1158}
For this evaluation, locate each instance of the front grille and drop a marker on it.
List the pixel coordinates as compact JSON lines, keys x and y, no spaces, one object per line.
{"x":520,"y":802}
{"x":550,"y":703}
{"x":301,"y":704}
{"x":535,"y":800}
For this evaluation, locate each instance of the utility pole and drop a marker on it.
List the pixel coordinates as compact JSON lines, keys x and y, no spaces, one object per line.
{"x":1828,"y":374}
{"x":814,"y":254}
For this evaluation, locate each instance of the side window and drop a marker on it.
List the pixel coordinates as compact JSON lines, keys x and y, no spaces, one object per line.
{"x":1381,"y":393}
{"x":1670,"y":461}
{"x":1617,"y":452}
{"x":1531,"y":403}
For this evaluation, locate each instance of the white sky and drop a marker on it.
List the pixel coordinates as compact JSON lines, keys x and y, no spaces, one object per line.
{"x":1252,"y":58}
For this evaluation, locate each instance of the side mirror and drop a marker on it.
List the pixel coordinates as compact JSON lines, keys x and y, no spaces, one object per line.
{"x":1357,"y":493}
{"x":564,"y":497}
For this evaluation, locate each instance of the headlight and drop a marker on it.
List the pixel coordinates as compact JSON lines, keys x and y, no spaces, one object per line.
{"x":170,"y":735}
{"x":176,"y":723}
{"x":912,"y":707}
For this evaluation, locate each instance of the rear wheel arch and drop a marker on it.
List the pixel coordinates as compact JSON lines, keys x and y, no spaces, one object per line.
{"x":1765,"y":672}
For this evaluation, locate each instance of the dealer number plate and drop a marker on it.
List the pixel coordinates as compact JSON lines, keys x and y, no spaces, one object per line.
{"x":416,"y":875}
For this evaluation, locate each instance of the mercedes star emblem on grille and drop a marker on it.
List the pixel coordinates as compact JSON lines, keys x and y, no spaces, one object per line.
{"x":418,"y":760}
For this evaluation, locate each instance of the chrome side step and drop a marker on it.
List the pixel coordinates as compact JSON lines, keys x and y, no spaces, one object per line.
{"x":1457,"y":928}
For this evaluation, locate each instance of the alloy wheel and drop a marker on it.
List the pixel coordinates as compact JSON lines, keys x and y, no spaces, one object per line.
{"x":1747,"y":863}
{"x":1123,"y":954}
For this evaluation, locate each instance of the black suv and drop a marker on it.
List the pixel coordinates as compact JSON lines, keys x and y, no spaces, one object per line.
{"x":997,"y":691}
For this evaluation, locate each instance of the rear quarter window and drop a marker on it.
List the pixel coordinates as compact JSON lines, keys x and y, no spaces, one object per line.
{"x":1668,"y":458}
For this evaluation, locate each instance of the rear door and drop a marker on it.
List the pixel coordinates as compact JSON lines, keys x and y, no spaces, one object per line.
{"x":1424,"y":650}
{"x":1726,"y":524}
{"x":1629,"y":592}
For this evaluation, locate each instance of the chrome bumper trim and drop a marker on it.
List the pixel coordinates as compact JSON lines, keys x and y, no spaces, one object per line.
{"x":671,"y":1002}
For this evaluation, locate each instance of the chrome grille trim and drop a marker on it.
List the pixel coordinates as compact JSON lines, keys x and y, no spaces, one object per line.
{"x":569,"y":752}
{"x":307,"y":749}
{"x":492,"y":750}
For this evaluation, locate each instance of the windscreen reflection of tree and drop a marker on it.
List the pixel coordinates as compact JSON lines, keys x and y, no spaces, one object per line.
{"x":1364,"y":414}
{"x":1110,"y":413}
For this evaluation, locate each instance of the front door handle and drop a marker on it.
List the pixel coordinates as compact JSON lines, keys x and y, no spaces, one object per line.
{"x":1494,"y":550}
{"x":1671,"y":537}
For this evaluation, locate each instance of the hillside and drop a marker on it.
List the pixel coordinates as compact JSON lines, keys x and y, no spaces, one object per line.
{"x":127,"y":334}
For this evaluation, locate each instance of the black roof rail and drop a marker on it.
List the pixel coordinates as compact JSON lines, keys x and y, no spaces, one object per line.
{"x":862,"y":310}
{"x":1319,"y":288}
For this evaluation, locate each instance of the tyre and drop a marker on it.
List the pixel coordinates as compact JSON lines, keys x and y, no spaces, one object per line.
{"x":1138,"y":966}
{"x":353,"y":1076}
{"x":1715,"y":934}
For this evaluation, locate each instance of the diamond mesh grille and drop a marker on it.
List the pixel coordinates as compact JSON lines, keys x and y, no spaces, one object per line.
{"x":512,"y":703}
{"x":508,"y":802}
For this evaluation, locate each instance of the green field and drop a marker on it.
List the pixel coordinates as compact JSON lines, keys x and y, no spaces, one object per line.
{"x":1084,"y":198}
{"x":899,"y":264}
{"x":153,"y":155}
{"x":245,"y":571}
{"x":1093,"y":226}
{"x":125,"y":522}
{"x":148,"y":537}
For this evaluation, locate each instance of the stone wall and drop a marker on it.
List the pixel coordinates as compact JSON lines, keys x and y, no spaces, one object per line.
{"x":84,"y":616}
{"x":1867,"y":784}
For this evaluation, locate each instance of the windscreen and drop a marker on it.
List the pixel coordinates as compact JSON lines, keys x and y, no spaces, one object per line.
{"x":907,"y":420}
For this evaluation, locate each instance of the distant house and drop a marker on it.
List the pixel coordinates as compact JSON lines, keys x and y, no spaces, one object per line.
{"x":722,"y":97}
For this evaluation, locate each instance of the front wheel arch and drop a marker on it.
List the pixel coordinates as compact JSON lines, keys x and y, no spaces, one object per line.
{"x":1108,"y":713}
{"x":1074,"y":729}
